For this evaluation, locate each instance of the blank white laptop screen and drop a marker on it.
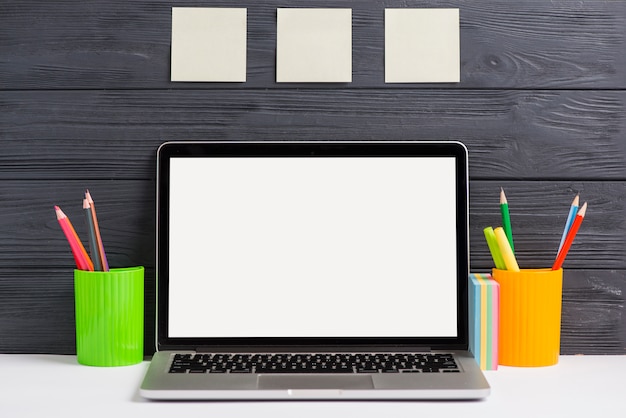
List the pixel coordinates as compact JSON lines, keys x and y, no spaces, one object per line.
{"x":312,"y":247}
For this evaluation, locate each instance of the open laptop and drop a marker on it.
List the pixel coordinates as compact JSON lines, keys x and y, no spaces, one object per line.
{"x":324,"y":270}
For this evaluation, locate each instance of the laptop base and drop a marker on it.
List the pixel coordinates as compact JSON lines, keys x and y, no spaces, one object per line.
{"x":158,"y":384}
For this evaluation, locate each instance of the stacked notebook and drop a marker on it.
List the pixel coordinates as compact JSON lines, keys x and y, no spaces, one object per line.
{"x":484,"y":310}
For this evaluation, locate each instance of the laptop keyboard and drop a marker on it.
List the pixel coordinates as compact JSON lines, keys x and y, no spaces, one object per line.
{"x":314,"y":363}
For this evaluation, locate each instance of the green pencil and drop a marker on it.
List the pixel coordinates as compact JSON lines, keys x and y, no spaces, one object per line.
{"x":506,"y":218}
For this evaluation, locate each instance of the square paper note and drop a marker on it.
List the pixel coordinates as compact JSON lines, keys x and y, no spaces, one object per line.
{"x":314,"y":45}
{"x":422,"y":46}
{"x":208,"y":44}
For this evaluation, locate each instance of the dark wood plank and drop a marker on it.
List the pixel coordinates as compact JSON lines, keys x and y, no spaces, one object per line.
{"x":37,"y":311}
{"x":510,"y":134}
{"x":126,"y":44}
{"x":538,"y":213}
{"x":126,"y":212}
{"x":592,"y":319}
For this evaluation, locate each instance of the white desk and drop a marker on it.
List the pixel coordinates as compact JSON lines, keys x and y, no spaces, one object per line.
{"x":56,"y":386}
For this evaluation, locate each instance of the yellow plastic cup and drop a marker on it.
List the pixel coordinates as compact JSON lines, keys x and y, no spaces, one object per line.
{"x":109,"y":316}
{"x":530,"y":317}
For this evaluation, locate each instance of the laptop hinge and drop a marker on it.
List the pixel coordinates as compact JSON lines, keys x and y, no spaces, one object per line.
{"x":309,"y":349}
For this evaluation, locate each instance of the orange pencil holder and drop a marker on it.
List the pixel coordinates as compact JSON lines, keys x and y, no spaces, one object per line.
{"x":530,"y":316}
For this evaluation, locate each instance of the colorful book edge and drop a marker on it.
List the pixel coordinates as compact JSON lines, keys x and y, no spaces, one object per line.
{"x":484,"y":313}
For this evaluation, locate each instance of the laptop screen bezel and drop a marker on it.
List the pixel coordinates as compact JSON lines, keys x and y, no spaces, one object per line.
{"x":170,"y":150}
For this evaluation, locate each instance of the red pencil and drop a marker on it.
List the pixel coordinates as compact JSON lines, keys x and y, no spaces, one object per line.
{"x":83,"y":262}
{"x":558,"y":263}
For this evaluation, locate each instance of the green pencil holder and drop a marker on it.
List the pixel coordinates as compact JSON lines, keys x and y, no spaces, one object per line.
{"x":109,"y":316}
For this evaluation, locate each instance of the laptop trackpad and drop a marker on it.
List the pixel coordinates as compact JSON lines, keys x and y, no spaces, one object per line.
{"x":315,"y":382}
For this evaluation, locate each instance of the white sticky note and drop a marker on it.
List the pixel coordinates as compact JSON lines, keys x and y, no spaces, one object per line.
{"x":209,"y":44}
{"x":422,"y":46}
{"x":314,"y":45}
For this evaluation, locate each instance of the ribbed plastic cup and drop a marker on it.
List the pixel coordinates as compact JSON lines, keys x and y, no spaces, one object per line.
{"x":530,"y":317}
{"x":109,"y":316}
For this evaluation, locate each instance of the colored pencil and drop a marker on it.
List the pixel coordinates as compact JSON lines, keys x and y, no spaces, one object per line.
{"x":93,"y":242}
{"x":83,"y":252}
{"x":103,"y":258}
{"x":573,"y":209}
{"x":505,"y":249}
{"x":78,"y":251}
{"x":506,"y":218}
{"x":494,"y":248}
{"x":571,"y":234}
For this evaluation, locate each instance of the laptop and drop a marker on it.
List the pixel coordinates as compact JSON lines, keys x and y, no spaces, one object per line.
{"x":312,"y":270}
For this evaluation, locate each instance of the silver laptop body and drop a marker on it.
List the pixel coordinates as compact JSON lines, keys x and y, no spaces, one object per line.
{"x":323,"y":270}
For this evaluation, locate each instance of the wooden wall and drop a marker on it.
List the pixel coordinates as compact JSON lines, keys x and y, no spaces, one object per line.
{"x":85,"y":99}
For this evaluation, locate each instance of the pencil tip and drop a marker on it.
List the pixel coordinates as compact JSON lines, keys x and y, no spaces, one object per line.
{"x":59,"y":212}
{"x":85,"y":203}
{"x":576,"y":200}
{"x":502,"y":196}
{"x":583,"y":210}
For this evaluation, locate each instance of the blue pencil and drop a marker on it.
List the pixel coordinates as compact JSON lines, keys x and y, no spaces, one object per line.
{"x":570,"y":218}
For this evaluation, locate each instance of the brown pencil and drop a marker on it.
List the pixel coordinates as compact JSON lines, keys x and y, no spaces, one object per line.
{"x":103,"y":258}
{"x":93,"y":241}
